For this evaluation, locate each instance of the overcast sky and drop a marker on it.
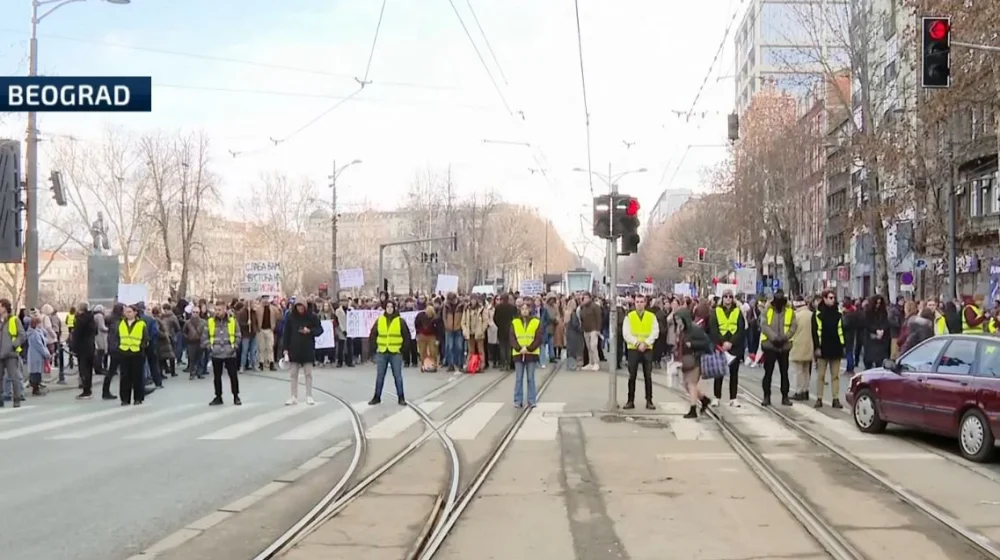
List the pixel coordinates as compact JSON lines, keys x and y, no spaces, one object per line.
{"x":430,"y":102}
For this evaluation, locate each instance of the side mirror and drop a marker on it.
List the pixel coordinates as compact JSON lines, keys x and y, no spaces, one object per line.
{"x":891,"y":365}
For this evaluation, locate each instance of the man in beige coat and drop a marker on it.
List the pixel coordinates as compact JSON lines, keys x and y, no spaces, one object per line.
{"x":265,"y":317}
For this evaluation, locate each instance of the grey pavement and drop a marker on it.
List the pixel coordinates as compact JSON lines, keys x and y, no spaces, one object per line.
{"x":92,"y":480}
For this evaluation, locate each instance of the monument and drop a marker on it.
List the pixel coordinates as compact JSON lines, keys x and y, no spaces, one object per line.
{"x":102,"y":267}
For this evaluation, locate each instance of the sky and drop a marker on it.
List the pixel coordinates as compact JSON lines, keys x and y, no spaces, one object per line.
{"x":248,"y":71}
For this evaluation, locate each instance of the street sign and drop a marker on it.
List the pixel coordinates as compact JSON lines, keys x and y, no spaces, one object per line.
{"x":906,"y":278}
{"x":775,"y":284}
{"x":760,"y":286}
{"x":920,"y":264}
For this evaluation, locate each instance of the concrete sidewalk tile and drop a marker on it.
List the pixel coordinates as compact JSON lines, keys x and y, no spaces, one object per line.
{"x":210,"y":520}
{"x":172,"y":541}
{"x":242,"y":503}
{"x":269,"y":488}
{"x":291,"y":476}
{"x":313,"y":464}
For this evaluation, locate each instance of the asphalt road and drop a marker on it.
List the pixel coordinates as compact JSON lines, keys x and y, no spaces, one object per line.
{"x":91,"y":480}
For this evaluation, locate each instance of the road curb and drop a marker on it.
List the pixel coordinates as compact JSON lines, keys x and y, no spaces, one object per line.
{"x":279,"y":483}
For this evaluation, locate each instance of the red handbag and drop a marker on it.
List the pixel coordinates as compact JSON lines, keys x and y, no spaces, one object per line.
{"x":474,"y":365}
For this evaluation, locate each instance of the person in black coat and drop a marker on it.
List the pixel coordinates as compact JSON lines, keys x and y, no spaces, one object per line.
{"x":876,"y":333}
{"x":828,"y":343}
{"x":83,"y":345}
{"x":299,"y":341}
{"x":726,"y":329}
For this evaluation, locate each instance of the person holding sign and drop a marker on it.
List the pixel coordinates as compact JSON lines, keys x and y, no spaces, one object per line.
{"x":389,"y":335}
{"x":525,"y":343}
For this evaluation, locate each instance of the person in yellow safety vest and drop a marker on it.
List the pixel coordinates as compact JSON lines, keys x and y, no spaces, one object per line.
{"x":221,"y":339}
{"x":11,"y":346}
{"x":777,"y":327}
{"x":640,"y":329}
{"x":828,"y":343}
{"x":939,"y":321}
{"x":388,"y":336}
{"x":70,"y":325}
{"x":726,"y":329}
{"x":129,"y":341}
{"x":973,"y":317}
{"x":525,"y":343}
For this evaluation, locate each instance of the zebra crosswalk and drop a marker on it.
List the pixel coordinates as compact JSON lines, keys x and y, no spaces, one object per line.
{"x":302,"y":422}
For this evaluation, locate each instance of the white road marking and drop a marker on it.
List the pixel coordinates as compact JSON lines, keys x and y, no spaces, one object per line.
{"x":687,"y":429}
{"x":538,"y":427}
{"x":399,"y":422}
{"x":190,"y":422}
{"x":53,"y":424}
{"x":840,"y":427}
{"x":323,"y":424}
{"x":765,"y":426}
{"x":135,"y":419}
{"x":7,"y":409}
{"x":251,"y":425}
{"x":472,"y":421}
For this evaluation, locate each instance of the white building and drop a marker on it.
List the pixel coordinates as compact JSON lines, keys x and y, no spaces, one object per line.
{"x":668,"y":204}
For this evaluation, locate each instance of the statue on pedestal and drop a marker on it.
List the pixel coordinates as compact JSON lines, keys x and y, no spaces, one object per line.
{"x":99,"y":231}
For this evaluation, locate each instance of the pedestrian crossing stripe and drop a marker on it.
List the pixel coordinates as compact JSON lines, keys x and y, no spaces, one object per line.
{"x":303,"y":422}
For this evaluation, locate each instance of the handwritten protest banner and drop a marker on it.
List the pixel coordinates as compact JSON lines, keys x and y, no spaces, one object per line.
{"x":361,"y":321}
{"x":261,"y":278}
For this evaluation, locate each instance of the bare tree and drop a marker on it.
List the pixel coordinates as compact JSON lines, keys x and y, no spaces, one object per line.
{"x":108,"y":177}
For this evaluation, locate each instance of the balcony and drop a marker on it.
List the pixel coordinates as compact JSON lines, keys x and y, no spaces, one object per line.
{"x":982,"y":225}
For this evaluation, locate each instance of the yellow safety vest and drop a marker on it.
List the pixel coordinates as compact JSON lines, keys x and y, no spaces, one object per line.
{"x":70,"y":321}
{"x":525,"y":335}
{"x":991,"y":326}
{"x":940,"y":326}
{"x":966,"y":327}
{"x":390,"y":335}
{"x":12,"y":330}
{"x":727,"y":325}
{"x":819,"y":328}
{"x":789,"y":315}
{"x":641,"y":327}
{"x":231,"y":326}
{"x":130,"y":340}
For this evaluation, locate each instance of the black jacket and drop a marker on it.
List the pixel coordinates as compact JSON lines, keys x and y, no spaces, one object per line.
{"x":827,"y":343}
{"x":876,"y":350}
{"x":84,"y":333}
{"x":737,"y":339}
{"x":301,"y":347}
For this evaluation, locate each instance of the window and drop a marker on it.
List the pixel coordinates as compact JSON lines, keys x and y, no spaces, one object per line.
{"x":958,"y":358}
{"x":923,"y":357}
{"x":989,"y":360}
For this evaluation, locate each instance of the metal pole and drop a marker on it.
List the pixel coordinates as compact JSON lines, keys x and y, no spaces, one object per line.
{"x":952,"y":257}
{"x":381,"y":255}
{"x":335,"y":278}
{"x":31,"y":257}
{"x":613,"y":312}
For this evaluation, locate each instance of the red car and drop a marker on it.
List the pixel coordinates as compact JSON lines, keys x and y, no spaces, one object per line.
{"x":947,"y":385}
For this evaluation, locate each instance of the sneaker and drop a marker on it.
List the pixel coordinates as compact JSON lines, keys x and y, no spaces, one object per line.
{"x":629,"y":405}
{"x":215,"y":402}
{"x":375,"y":401}
{"x":237,"y":401}
{"x":310,"y":401}
{"x":402,"y":401}
{"x":84,"y":397}
{"x":292,"y":401}
{"x":716,"y":403}
{"x":735,"y":403}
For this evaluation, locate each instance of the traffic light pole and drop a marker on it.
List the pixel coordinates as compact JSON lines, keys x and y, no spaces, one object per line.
{"x":382,"y":247}
{"x":612,"y":253}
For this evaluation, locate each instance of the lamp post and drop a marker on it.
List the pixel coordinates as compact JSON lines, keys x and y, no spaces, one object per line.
{"x":31,"y":257}
{"x":335,"y":279}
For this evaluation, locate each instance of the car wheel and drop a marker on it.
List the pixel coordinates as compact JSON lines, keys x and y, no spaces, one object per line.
{"x":865,"y":413}
{"x":975,"y":438}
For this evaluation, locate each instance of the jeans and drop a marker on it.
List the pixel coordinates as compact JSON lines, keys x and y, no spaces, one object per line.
{"x":548,"y":349}
{"x":179,"y":347}
{"x":454,"y":343}
{"x":248,"y":353}
{"x":521,"y":370}
{"x":383,"y":361}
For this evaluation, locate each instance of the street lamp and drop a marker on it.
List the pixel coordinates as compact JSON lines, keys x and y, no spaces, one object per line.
{"x":31,"y":257}
{"x":335,"y":280}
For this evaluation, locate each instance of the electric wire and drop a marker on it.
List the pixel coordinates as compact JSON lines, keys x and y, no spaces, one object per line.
{"x":335,"y":106}
{"x":586,"y":108}
{"x":479,"y":55}
{"x":718,"y":53}
{"x":486,"y":40}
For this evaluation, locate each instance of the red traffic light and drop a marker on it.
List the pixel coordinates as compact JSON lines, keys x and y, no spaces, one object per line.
{"x":715,"y":280}
{"x":633,"y":208}
{"x":649,"y":279}
{"x":701,"y":253}
{"x":938,"y":29}
{"x":680,"y":262}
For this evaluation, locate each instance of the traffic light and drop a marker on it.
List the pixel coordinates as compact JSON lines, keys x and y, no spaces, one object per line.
{"x":385,"y":285}
{"x":627,"y":216}
{"x":701,"y":254}
{"x":602,"y":217}
{"x":454,"y":241}
{"x":936,"y":51}
{"x":680,"y":262}
{"x":734,"y":127}
{"x":58,"y":194}
{"x":649,"y":279}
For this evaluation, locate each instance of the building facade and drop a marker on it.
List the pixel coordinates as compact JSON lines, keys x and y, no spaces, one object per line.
{"x":669,"y":202}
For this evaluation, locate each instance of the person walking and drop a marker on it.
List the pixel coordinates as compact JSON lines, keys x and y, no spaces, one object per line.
{"x":728,"y":330}
{"x":640,"y":329}
{"x":221,"y":339}
{"x":388,"y":336}
{"x":525,"y":343}
{"x":38,"y":354}
{"x":299,"y":341}
{"x":130,"y":340}
{"x":11,"y":346}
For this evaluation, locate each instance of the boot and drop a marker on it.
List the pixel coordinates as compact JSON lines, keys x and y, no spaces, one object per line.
{"x":836,"y":404}
{"x":705,"y":402}
{"x":786,"y":401}
{"x":216,"y":401}
{"x":650,"y":405}
{"x":766,"y":401}
{"x":402,"y":401}
{"x":375,"y":401}
{"x":693,"y":413}
{"x":819,"y":403}
{"x":629,"y":405}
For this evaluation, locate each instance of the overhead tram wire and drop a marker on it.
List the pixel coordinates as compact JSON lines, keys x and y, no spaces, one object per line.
{"x":586,"y":108}
{"x":482,"y":60}
{"x":362,"y":83}
{"x":227,"y":60}
{"x":486,"y":40}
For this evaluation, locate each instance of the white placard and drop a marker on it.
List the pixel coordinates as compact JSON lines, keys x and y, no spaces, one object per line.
{"x":327,"y":339}
{"x":647,"y":289}
{"x":484,"y":289}
{"x":131,"y":294}
{"x":682,"y":289}
{"x":720,"y":287}
{"x":361,"y":321}
{"x":746,"y":281}
{"x":261,"y":278}
{"x":351,"y":278}
{"x":446,"y":283}
{"x":532,"y":287}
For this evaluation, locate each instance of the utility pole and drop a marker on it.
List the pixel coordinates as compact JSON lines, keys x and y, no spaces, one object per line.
{"x":613,"y":299}
{"x":548,"y":223}
{"x":334,"y":276}
{"x":952,"y":234}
